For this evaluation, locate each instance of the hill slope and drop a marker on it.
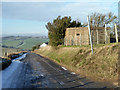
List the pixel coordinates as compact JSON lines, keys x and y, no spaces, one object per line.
{"x":22,"y":42}
{"x":101,"y":66}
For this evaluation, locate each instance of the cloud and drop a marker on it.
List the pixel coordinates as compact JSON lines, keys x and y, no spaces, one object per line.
{"x":47,"y":11}
{"x":81,"y":9}
{"x":60,"y":1}
{"x":31,"y":11}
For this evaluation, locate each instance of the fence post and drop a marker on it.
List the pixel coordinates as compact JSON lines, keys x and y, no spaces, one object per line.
{"x":63,"y":42}
{"x":116,"y":34}
{"x":97,"y":37}
{"x":66,"y":41}
{"x":80,"y":40}
{"x":90,"y":34}
{"x":105,"y":33}
{"x":73,"y":41}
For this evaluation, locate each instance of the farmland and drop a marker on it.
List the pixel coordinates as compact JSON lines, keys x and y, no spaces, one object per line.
{"x":30,"y":42}
{"x":22,"y":42}
{"x":13,"y":43}
{"x":18,"y":43}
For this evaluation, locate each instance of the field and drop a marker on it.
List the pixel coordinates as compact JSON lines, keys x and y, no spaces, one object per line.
{"x":13,"y":43}
{"x":16,"y":43}
{"x":30,"y":42}
{"x":22,"y":42}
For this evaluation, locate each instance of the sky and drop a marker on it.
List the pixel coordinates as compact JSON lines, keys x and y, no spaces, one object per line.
{"x":32,"y":16}
{"x":119,"y":14}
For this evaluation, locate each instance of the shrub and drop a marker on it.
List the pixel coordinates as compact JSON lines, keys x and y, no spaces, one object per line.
{"x":5,"y":63}
{"x":33,"y":48}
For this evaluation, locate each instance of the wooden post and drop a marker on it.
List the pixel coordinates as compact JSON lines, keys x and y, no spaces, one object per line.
{"x":70,"y":41}
{"x":92,"y":37}
{"x":105,"y":33}
{"x":76,"y":41}
{"x":66,"y":41}
{"x":97,"y":37}
{"x":5,"y":54}
{"x":116,"y":34}
{"x":73,"y":41}
{"x":90,"y":34}
{"x":80,"y":40}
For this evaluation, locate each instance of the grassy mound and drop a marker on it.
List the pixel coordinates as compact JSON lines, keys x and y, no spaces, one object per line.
{"x":101,"y":66}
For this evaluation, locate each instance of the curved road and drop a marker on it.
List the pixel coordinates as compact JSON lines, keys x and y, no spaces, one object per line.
{"x":35,"y":71}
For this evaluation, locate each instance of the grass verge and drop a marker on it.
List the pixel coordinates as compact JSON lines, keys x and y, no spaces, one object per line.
{"x":101,"y":66}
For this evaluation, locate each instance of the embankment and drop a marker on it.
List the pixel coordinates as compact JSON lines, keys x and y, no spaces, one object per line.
{"x":101,"y":66}
{"x":5,"y":62}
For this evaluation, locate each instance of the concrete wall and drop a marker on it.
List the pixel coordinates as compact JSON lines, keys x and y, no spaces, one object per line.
{"x":98,"y":35}
{"x":80,"y":36}
{"x":77,"y":36}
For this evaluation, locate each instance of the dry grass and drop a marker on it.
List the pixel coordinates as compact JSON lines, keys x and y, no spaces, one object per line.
{"x":101,"y":66}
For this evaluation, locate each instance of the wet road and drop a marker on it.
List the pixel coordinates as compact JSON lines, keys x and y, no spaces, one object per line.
{"x":36,"y":71}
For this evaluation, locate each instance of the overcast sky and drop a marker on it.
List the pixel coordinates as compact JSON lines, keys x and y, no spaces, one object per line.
{"x":31,"y":17}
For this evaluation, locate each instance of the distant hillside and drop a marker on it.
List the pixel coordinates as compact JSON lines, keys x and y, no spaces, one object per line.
{"x":23,"y":42}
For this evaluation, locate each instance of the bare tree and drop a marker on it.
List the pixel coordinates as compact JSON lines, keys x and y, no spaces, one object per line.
{"x":99,"y":20}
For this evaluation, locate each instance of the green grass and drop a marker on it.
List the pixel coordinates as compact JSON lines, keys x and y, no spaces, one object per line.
{"x":88,"y":46}
{"x":13,"y":43}
{"x":102,"y":65}
{"x":30,"y":42}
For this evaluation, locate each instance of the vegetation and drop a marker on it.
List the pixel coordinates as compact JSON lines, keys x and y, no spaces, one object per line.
{"x":22,"y":42}
{"x":15,"y":55}
{"x":58,"y":27}
{"x":8,"y":50}
{"x":30,"y":42}
{"x":4,"y":63}
{"x":33,"y":48}
{"x":99,"y":20}
{"x":101,"y":66}
{"x":13,"y":43}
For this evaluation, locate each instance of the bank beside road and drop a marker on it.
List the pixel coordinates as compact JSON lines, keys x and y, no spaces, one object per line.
{"x":101,"y":66}
{"x":4,"y":63}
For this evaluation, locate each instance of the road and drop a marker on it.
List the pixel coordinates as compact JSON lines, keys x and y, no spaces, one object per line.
{"x":35,"y":71}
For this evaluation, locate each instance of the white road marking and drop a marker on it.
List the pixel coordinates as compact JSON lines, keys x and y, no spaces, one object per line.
{"x":64,"y":68}
{"x":61,"y":82}
{"x":81,"y":83}
{"x":42,"y":75}
{"x":73,"y":73}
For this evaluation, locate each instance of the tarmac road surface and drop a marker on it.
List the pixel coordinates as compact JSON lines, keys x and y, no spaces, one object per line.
{"x":35,"y":71}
